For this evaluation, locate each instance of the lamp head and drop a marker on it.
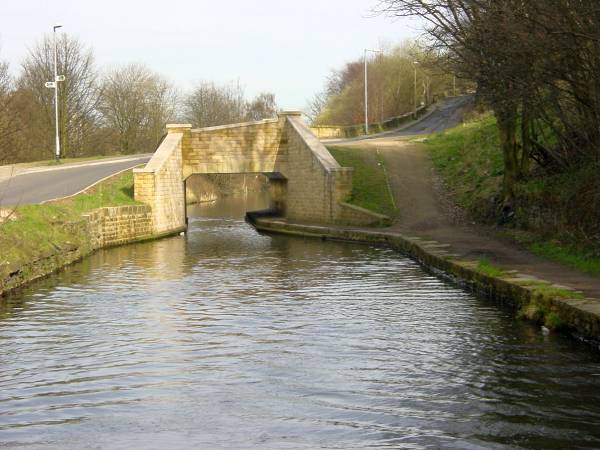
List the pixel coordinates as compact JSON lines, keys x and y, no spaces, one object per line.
{"x":57,"y":26}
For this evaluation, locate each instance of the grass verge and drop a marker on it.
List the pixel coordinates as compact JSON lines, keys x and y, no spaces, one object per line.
{"x":470,"y":161}
{"x":571,"y":254}
{"x":41,"y":230}
{"x":53,"y":162}
{"x":370,"y":188}
{"x":487,"y":268}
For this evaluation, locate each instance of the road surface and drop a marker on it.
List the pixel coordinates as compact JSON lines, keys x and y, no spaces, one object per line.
{"x":40,"y":184}
{"x":447,"y":114}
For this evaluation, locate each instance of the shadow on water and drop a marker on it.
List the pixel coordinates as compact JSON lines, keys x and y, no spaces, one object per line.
{"x":225,"y":338}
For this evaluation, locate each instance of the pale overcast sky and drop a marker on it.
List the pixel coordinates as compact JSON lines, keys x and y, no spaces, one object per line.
{"x":282,"y":46}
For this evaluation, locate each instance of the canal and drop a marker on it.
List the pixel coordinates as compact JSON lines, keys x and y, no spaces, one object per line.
{"x":226,"y":338}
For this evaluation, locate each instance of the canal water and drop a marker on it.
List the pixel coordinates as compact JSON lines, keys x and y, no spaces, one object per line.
{"x":229,"y":339}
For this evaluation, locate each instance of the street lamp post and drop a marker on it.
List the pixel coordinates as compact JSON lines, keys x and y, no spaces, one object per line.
{"x":367,"y":90}
{"x":415,"y":63}
{"x":54,"y":85}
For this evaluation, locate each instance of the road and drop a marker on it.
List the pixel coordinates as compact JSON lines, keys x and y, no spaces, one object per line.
{"x":447,"y":114}
{"x":40,"y":184}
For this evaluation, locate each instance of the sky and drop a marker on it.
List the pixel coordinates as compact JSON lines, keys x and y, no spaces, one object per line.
{"x":282,"y":46}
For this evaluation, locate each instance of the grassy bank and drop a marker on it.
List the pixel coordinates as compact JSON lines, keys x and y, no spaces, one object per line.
{"x":370,"y":188}
{"x":469,"y":159}
{"x":549,"y":208}
{"x":37,"y":231}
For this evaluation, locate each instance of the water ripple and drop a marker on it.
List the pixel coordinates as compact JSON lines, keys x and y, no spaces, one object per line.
{"x":230,"y":339}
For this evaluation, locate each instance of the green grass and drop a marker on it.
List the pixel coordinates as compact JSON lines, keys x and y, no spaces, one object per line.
{"x":370,"y":187}
{"x":541,"y":309}
{"x":470,"y":160}
{"x":487,"y":268}
{"x":571,"y":254}
{"x":40,"y":230}
{"x":547,"y":290}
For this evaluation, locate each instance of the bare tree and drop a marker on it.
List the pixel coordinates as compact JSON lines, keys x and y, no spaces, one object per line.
{"x":391,"y":86}
{"x":8,"y":127}
{"x":136,"y":103}
{"x":210,"y":104}
{"x":535,"y":63}
{"x":316,"y":106}
{"x":263,"y":106}
{"x":78,"y":94}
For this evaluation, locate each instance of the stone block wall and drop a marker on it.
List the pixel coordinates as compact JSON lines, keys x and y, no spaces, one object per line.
{"x":251,"y":147}
{"x":160,"y":184}
{"x":119,"y":225}
{"x":313,"y":186}
{"x":316,"y":182}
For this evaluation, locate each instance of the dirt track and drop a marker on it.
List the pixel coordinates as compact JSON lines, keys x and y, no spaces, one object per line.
{"x":426,"y":211}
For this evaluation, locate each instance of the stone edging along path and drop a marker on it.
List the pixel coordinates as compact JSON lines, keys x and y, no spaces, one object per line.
{"x":578,"y":316}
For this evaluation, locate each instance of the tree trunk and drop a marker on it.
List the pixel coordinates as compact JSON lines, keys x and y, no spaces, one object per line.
{"x":507,"y":126}
{"x":525,"y":140}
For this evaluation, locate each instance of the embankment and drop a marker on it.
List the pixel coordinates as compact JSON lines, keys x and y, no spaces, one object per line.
{"x":41,"y":239}
{"x":554,"y":214}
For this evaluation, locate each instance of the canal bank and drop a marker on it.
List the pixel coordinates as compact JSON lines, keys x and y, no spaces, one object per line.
{"x":38,"y":240}
{"x":555,"y":307}
{"x":228,"y":338}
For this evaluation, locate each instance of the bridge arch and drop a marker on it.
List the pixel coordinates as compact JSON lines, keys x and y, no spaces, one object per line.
{"x":310,"y":184}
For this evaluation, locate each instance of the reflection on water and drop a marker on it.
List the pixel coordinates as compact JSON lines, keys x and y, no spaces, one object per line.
{"x":226,"y":338}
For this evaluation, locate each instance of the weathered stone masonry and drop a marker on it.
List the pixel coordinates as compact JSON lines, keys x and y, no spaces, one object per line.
{"x":118,"y":225}
{"x":315,"y":187}
{"x":104,"y":227}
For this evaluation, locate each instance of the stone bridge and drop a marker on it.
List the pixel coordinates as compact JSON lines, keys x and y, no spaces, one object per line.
{"x":306,"y":182}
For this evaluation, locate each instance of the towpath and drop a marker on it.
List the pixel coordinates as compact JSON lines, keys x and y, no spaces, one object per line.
{"x":426,"y":211}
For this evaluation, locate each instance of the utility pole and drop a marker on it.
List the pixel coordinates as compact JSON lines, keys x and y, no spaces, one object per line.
{"x":367,"y":90}
{"x":54,"y":85}
{"x":415,"y":63}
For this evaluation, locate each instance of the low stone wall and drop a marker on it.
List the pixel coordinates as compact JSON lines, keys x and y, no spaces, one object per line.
{"x":361,"y":217}
{"x":119,"y":225}
{"x":101,"y":228}
{"x":581,"y":316}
